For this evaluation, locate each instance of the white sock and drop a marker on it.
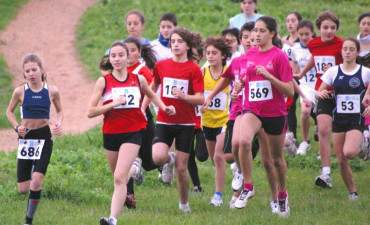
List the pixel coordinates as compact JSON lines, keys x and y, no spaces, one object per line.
{"x":234,"y":198}
{"x":326,"y":170}
{"x":113,"y":220}
{"x":172,"y":159}
{"x":183,"y":205}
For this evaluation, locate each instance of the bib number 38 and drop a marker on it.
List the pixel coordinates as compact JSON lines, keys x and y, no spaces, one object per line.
{"x":30,"y":149}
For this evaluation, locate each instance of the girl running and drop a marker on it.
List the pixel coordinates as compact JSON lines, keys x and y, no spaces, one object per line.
{"x":182,"y":86}
{"x":34,"y":134}
{"x":215,"y":115}
{"x":268,"y":80}
{"x":349,"y":80}
{"x":300,"y":56}
{"x":248,"y":14}
{"x":326,"y":52}
{"x":124,"y":121}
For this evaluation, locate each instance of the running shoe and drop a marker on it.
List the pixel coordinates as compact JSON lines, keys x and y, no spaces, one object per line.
{"x":316,"y":133}
{"x":216,"y":200}
{"x":364,"y":147}
{"x":198,"y":189}
{"x":233,"y":167}
{"x":167,"y":171}
{"x":237,"y":181}
{"x":292,"y":147}
{"x":303,"y":148}
{"x":185,"y":208}
{"x":284,"y":209}
{"x":232,"y":202}
{"x":353,"y":196}
{"x":274,"y":207}
{"x":242,"y":201}
{"x":106,"y":221}
{"x":324,"y":180}
{"x":28,"y":221}
{"x":130,"y":202}
{"x":138,"y":176}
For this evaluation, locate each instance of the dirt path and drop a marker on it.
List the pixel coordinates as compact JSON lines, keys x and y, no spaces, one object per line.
{"x":48,"y":28}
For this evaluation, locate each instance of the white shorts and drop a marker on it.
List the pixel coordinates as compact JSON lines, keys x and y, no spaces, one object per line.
{"x":310,"y":94}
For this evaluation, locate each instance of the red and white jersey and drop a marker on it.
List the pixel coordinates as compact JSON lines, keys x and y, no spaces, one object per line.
{"x":123,"y":118}
{"x":325,"y":53}
{"x":185,"y":76}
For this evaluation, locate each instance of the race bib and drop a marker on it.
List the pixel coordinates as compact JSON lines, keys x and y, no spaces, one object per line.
{"x":30,"y":149}
{"x":322,"y":61}
{"x":260,"y":90}
{"x":218,"y":102}
{"x":348,"y":104}
{"x":132,"y":94}
{"x":197,"y":111}
{"x":170,"y":83}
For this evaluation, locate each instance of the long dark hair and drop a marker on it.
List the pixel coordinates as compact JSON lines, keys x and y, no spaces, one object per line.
{"x":147,"y":52}
{"x":271,"y":25}
{"x":104,"y":62}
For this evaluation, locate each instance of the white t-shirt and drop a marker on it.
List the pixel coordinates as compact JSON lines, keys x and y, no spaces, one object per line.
{"x":330,"y":75}
{"x":301,"y":55}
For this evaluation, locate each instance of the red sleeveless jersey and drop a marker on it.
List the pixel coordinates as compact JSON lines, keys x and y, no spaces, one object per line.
{"x":128,"y":117}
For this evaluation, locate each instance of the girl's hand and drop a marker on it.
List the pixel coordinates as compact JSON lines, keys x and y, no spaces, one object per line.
{"x":366,"y":112}
{"x":120,"y":100}
{"x":297,"y":76}
{"x":307,"y":102}
{"x":170,"y":110}
{"x":324,"y":94}
{"x":178,"y":93}
{"x":261,"y":70}
{"x":239,"y":84}
{"x":57,"y":129}
{"x":234,"y":96}
{"x":205,"y":105}
{"x":366,"y":100}
{"x":22,"y":131}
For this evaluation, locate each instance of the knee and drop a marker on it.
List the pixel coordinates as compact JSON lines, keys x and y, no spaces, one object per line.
{"x":181,"y":171}
{"x":305,"y":113}
{"x":245,"y":144}
{"x":218,"y":158}
{"x":350,"y":155}
{"x":120,"y":179}
{"x":267,"y":164}
{"x":159,"y":159}
{"x":324,"y":132}
{"x":23,"y":191}
{"x":278,"y":162}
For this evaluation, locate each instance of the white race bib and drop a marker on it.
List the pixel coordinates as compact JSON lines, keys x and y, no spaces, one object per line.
{"x":30,"y":149}
{"x":322,"y":61}
{"x":348,"y":104}
{"x":170,"y":83}
{"x":132,"y":94}
{"x":260,"y":90}
{"x":197,"y":111}
{"x":218,"y":102}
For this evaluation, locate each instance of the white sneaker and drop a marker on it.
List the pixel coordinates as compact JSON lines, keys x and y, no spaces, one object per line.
{"x":364,"y":147}
{"x":241,"y":202}
{"x":303,"y":148}
{"x":353,"y":196}
{"x":232,"y":202}
{"x":237,"y":181}
{"x":292,"y":148}
{"x":324,"y":180}
{"x":138,"y":176}
{"x":274,"y":205}
{"x":284,"y":209}
{"x":233,"y":167}
{"x":167,"y":171}
{"x":216,"y":200}
{"x":185,"y":208}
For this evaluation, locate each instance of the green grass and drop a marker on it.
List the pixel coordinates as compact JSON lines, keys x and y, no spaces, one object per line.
{"x":78,"y":188}
{"x":8,"y":11}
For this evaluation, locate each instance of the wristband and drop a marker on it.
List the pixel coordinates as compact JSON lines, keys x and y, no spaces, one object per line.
{"x":16,"y":128}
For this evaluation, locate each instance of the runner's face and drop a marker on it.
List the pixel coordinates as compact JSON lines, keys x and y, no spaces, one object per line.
{"x":364,"y":26}
{"x":166,"y":28}
{"x":118,"y":57}
{"x":248,"y":6}
{"x":328,"y":29}
{"x":32,"y":72}
{"x":232,"y":42}
{"x":178,"y":45}
{"x":263,"y":35}
{"x":349,"y":51}
{"x":246,"y":39}
{"x":305,"y":35}
{"x":214,"y":56}
{"x":134,"y":26}
{"x":134,"y":54}
{"x":291,"y":23}
{"x":253,"y":39}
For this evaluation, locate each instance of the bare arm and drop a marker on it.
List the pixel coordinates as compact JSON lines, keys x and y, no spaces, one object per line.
{"x":310,"y":64}
{"x":154,"y":87}
{"x":94,"y":109}
{"x":284,"y":87}
{"x":196,"y":99}
{"x":16,"y":98}
{"x":323,"y":90}
{"x":57,"y":129}
{"x":224,"y":82}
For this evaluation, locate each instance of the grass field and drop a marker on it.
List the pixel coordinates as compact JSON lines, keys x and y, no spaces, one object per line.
{"x":78,"y":186}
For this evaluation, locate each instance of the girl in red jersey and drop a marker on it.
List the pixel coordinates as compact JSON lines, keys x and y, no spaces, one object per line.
{"x":268,"y":80}
{"x":182,"y":86}
{"x":120,"y":93}
{"x":326,"y":52}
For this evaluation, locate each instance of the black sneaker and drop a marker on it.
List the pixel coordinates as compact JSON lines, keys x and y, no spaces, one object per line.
{"x":130,"y":202}
{"x":105,"y":221}
{"x":28,"y":221}
{"x":284,"y":209}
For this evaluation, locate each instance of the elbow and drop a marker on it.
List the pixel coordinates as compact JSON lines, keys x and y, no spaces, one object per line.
{"x":90,"y":114}
{"x":290,"y":94}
